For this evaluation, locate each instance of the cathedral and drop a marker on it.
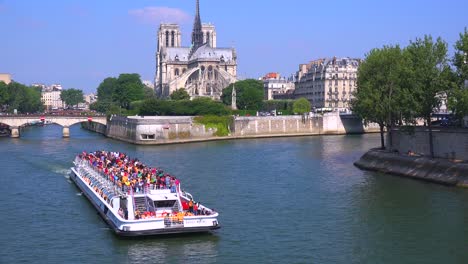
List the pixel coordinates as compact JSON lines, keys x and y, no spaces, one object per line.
{"x":202,"y":69}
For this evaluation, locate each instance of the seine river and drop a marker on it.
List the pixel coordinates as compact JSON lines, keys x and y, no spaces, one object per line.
{"x":291,"y":200}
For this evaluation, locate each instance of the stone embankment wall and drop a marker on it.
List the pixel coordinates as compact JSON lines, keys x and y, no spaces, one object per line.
{"x":96,"y":127}
{"x":449,"y":143}
{"x":157,"y":130}
{"x":441,"y":171}
{"x":165,"y":130}
{"x":327,"y":124}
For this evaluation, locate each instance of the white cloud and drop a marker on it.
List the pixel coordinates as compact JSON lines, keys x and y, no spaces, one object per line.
{"x":157,"y":14}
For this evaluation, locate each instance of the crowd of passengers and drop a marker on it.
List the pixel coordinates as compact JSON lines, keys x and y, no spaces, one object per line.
{"x":130,"y":174}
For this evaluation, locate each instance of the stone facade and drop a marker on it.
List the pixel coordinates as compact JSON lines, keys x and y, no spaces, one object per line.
{"x":327,"y":83}
{"x":51,"y":100}
{"x":203,"y":69}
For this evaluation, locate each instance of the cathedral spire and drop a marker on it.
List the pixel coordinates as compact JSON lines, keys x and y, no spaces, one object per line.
{"x":197,"y":34}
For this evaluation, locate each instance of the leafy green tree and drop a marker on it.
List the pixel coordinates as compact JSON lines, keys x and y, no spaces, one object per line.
{"x":279,"y":105}
{"x":3,"y":95}
{"x":458,"y":99}
{"x":129,"y":88}
{"x":460,"y":60}
{"x":72,"y":97}
{"x":301,"y":106}
{"x":430,"y":75}
{"x":249,"y":94}
{"x":118,"y":93}
{"x":149,"y":92}
{"x":180,"y":94}
{"x":198,"y":106}
{"x":24,"y":99}
{"x":381,"y":96}
{"x":458,"y":103}
{"x":106,"y":89}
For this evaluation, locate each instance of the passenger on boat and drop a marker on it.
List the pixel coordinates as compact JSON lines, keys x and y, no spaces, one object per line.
{"x":190,"y":205}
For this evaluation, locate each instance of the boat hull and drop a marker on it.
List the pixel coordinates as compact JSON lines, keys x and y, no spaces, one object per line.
{"x":119,"y":226}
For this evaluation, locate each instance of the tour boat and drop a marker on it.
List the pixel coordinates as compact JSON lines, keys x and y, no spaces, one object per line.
{"x":146,"y":211}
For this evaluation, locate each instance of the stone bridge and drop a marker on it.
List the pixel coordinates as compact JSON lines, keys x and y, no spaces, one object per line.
{"x":15,"y":122}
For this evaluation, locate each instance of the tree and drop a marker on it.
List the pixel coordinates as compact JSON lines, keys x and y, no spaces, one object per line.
{"x":460,"y":59}
{"x":22,"y":98}
{"x":72,"y":97}
{"x":301,"y":106}
{"x":430,"y":76}
{"x":249,"y":94}
{"x":3,"y":95}
{"x":129,"y":88}
{"x":116,"y":93}
{"x":106,"y":89}
{"x":180,"y":94}
{"x":381,"y":96}
{"x":458,"y":99}
{"x":149,"y":92}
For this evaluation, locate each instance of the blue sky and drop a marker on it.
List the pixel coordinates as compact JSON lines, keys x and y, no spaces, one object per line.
{"x":79,"y":43}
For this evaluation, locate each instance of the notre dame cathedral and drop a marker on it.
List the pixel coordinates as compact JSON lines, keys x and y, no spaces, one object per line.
{"x":203,"y":69}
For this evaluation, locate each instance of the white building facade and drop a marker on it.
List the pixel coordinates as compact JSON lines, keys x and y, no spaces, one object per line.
{"x":5,"y":77}
{"x":275,"y":85}
{"x":51,"y":100}
{"x":328,"y":83}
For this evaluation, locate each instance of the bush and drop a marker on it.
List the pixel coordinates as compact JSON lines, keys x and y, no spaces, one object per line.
{"x":220,"y":123}
{"x":199,"y":106}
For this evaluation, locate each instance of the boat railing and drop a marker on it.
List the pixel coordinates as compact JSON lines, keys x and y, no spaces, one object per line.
{"x":98,"y":179}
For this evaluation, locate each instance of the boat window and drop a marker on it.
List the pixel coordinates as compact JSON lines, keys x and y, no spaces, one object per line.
{"x":166,"y":204}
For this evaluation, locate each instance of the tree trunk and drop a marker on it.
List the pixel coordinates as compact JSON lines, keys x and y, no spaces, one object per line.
{"x":382,"y":140}
{"x":431,"y":142}
{"x":390,"y":139}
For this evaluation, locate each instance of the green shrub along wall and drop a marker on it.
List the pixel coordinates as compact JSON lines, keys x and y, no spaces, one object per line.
{"x":220,"y":123}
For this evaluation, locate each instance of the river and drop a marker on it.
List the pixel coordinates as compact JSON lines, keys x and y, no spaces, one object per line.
{"x":281,"y":200}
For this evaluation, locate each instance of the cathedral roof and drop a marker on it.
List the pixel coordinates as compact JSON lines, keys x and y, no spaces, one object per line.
{"x":204,"y":52}
{"x":210,"y":53}
{"x":176,"y":54}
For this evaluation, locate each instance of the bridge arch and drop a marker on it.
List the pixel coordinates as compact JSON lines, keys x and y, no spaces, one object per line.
{"x":15,"y":122}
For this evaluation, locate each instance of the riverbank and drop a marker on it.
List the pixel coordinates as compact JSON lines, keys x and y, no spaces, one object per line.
{"x":163,"y":130}
{"x":441,"y":171}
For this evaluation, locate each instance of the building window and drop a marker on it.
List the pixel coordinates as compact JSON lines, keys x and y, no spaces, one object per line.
{"x":208,"y":38}
{"x":176,"y":72}
{"x":167,"y":38}
{"x":172,"y":38}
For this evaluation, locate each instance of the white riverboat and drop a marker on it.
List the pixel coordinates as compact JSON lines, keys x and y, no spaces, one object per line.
{"x":145,"y":211}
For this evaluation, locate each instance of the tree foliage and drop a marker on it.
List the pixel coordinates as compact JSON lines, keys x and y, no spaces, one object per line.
{"x":279,"y":105}
{"x":430,"y":76}
{"x":249,"y":94}
{"x":20,"y":97}
{"x":117,"y":93}
{"x":198,"y":106}
{"x":72,"y":97}
{"x":430,"y":73}
{"x":458,"y":99}
{"x":382,"y":96}
{"x":180,"y":94}
{"x":301,"y":106}
{"x":460,"y":59}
